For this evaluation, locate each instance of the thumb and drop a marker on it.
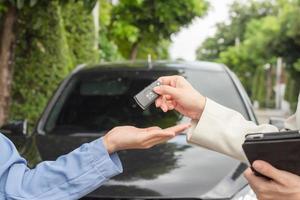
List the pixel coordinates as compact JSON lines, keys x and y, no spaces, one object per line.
{"x":167,"y":90}
{"x":268,"y":170}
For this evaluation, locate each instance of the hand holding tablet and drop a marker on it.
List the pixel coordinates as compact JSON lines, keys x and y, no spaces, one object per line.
{"x":281,"y":149}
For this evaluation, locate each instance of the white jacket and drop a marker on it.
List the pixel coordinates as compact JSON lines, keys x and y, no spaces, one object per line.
{"x":223,"y":130}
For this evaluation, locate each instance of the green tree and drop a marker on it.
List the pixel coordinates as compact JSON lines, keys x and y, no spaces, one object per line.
{"x":80,"y":32}
{"x":49,"y":43}
{"x":42,"y":59}
{"x":138,"y":26}
{"x":108,"y":48}
{"x":232,"y":34}
{"x":269,"y":31}
{"x":254,"y":51}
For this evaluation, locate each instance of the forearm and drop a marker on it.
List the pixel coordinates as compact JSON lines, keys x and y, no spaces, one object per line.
{"x":69,"y":177}
{"x":223,"y":130}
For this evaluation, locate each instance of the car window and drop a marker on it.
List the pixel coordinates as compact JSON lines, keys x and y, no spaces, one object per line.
{"x":94,"y":102}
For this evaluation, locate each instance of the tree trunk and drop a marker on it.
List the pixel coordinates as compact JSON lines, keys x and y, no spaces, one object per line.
{"x":134,"y":50}
{"x":7,"y":41}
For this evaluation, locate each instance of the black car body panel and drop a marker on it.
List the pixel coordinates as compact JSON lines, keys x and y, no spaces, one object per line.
{"x":94,"y":99}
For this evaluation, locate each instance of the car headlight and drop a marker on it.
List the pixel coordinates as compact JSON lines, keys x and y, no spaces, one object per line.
{"x":245,"y":194}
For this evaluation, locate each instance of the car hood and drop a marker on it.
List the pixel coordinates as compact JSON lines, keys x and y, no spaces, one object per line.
{"x":174,"y":170}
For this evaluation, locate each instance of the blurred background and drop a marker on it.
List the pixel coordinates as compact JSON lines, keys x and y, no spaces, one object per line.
{"x":42,"y":41}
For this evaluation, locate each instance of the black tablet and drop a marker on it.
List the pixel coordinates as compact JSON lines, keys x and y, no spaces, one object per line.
{"x":280,"y":149}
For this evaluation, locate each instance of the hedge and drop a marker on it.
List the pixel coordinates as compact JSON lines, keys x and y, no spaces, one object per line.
{"x":52,"y":40}
{"x":80,"y":33}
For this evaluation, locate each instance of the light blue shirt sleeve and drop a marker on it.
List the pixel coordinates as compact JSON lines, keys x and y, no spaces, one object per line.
{"x":71,"y":176}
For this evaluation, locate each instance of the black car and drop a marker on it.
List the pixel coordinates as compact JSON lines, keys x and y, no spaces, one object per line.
{"x":94,"y":99}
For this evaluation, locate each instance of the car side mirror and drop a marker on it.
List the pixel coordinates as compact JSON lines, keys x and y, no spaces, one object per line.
{"x":277,"y":121}
{"x":19,"y":128}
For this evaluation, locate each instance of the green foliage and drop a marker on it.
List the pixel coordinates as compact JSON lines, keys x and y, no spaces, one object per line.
{"x":297,"y":65}
{"x":20,"y":3}
{"x":51,"y":42}
{"x":252,"y":52}
{"x":136,"y":28}
{"x":259,"y":33}
{"x":42,"y":59}
{"x":237,"y":59}
{"x":232,"y":34}
{"x":108,"y":49}
{"x":88,"y":4}
{"x":2,"y":8}
{"x":138,"y":23}
{"x":158,"y":50}
{"x":80,"y":32}
{"x":258,"y":87}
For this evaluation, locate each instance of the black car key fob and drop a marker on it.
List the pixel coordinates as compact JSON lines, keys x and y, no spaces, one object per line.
{"x":147,"y":96}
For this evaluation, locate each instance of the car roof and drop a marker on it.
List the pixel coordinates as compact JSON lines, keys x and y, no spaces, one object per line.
{"x":198,"y":65}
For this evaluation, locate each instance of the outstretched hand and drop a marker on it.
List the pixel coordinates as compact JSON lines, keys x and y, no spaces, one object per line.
{"x":130,"y":137}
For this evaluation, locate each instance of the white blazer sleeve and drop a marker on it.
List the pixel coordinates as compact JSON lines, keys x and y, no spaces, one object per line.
{"x":223,"y":130}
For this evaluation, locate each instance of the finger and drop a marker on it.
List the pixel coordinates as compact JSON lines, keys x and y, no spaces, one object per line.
{"x":159,"y":133}
{"x":170,"y":106}
{"x":164,"y":107}
{"x":168,"y":97}
{"x":153,"y":128}
{"x":158,"y":102}
{"x":174,"y":104}
{"x":168,"y":80}
{"x":269,"y":171}
{"x":167,"y":105}
{"x":158,"y":140}
{"x":255,"y":181}
{"x":164,"y":99}
{"x":167,"y":90}
{"x":178,"y":128}
{"x":161,"y":103}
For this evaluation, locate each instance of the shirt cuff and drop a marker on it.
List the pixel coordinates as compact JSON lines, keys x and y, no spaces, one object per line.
{"x":108,"y":165}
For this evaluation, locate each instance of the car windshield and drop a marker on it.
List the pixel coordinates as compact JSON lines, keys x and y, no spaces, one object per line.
{"x":94,"y":102}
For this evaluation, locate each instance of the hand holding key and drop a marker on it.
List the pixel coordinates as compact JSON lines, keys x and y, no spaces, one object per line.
{"x":177,"y":93}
